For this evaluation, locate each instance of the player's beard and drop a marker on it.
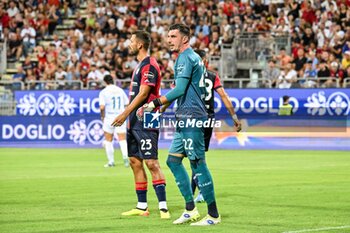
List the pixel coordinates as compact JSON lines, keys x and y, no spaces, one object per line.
{"x":133,"y":52}
{"x":174,"y":48}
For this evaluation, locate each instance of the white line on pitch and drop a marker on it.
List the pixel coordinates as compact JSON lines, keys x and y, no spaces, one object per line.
{"x":318,"y":229}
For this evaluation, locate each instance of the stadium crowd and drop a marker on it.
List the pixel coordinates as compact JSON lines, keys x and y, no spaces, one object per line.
{"x":96,"y":42}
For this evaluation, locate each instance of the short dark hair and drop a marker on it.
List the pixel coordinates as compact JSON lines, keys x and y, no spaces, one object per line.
{"x":201,"y":53}
{"x":144,"y":37}
{"x":285,"y":98}
{"x":108,"y":79}
{"x":183,"y":29}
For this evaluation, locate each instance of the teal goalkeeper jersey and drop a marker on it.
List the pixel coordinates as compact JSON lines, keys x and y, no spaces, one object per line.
{"x":190,"y":66}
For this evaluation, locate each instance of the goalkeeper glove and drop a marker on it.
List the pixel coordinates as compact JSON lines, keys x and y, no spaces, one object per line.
{"x":147,"y":108}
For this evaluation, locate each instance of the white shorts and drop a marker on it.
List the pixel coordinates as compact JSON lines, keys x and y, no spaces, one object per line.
{"x":107,"y":126}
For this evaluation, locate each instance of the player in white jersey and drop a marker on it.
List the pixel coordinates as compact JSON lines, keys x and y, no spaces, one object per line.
{"x":112,"y":101}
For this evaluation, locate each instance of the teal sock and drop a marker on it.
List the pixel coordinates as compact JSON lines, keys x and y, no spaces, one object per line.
{"x":205,"y":182}
{"x":181,"y":177}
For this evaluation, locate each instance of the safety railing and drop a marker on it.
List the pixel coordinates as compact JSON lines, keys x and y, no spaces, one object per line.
{"x":246,"y":83}
{"x":12,"y":85}
{"x":253,"y":82}
{"x":55,"y":85}
{"x":346,"y":82}
{"x":251,"y":50}
{"x":318,"y":82}
{"x":3,"y":56}
{"x":7,"y":102}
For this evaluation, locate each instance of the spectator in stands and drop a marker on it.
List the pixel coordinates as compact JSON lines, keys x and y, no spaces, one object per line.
{"x":283,"y":58}
{"x":61,"y":78}
{"x":31,"y":79}
{"x":28,"y":36}
{"x":271,"y":73}
{"x":53,"y":3}
{"x":300,"y":62}
{"x":54,"y":18}
{"x":310,"y":76}
{"x":28,"y":64}
{"x":42,"y":25}
{"x":345,"y":63}
{"x":12,"y":11}
{"x":50,"y":68}
{"x":15,"y":46}
{"x":336,"y":73}
{"x":347,"y":76}
{"x":280,"y":28}
{"x":4,"y":18}
{"x":203,"y":28}
{"x":20,"y":76}
{"x":314,"y":60}
{"x":308,"y":38}
{"x":79,"y":22}
{"x":95,"y":77}
{"x":129,"y":65}
{"x":337,"y":44}
{"x":287,"y":78}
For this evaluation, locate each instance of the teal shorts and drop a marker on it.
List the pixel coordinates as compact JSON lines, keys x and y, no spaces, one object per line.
{"x":189,"y":142}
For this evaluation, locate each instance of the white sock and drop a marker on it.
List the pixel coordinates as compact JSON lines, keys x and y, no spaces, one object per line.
{"x":162,"y":205}
{"x":142,"y":205}
{"x":124,"y":148}
{"x":109,"y":151}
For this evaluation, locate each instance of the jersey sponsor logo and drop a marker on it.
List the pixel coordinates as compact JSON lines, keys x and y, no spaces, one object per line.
{"x":148,"y":75}
{"x":180,"y":68}
{"x":135,"y":84}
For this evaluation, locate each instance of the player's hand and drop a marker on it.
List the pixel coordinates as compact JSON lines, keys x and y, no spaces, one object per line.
{"x":149,"y":107}
{"x":139,"y":113}
{"x":145,"y":108}
{"x":238,"y":125}
{"x":119,"y":120}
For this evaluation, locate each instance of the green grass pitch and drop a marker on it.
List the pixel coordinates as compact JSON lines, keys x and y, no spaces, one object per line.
{"x":68,"y":190}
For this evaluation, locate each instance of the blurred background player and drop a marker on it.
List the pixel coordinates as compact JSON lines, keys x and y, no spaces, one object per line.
{"x":112,"y":101}
{"x":212,"y":82}
{"x":143,"y":143}
{"x":189,"y":92}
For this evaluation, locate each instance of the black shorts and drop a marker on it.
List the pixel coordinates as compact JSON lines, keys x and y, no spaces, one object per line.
{"x":207,"y":136}
{"x":142,"y":144}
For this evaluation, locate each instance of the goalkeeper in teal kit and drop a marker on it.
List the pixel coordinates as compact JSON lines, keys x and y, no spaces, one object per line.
{"x":188,"y":139}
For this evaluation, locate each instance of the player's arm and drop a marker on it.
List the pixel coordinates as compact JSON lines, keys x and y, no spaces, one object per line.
{"x":168,"y":98}
{"x":102,"y":106}
{"x":228,"y":104}
{"x":102,"y":112}
{"x":137,"y":101}
{"x":184,"y":72}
